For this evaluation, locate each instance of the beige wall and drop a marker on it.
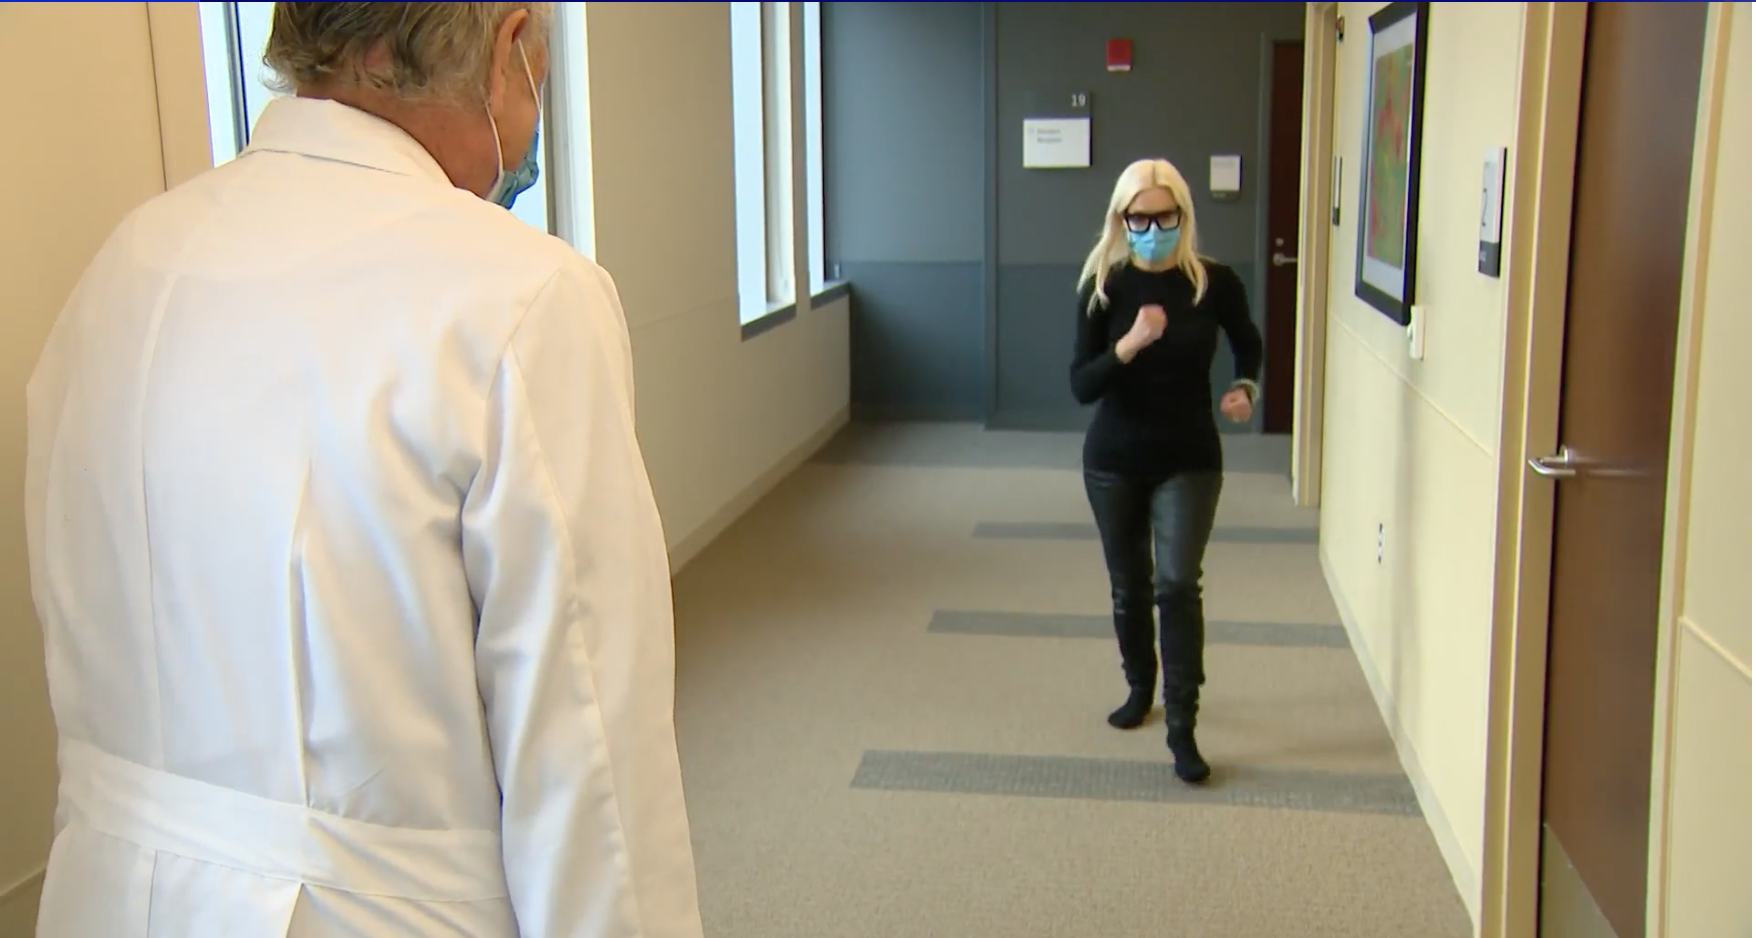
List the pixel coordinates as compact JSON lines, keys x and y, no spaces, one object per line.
{"x":1702,"y":818}
{"x":721,"y":418}
{"x":89,"y":151}
{"x":1412,"y":444}
{"x":1415,"y":446}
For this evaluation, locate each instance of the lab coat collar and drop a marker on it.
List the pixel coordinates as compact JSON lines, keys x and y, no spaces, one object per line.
{"x":332,"y":131}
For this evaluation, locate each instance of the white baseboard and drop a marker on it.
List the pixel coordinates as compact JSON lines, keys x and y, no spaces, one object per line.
{"x":697,"y":540}
{"x":1466,"y":878}
{"x":18,"y":906}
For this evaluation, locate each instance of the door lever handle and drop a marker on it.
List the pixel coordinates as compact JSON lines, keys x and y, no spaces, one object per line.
{"x":1559,"y":466}
{"x":1281,"y":260}
{"x":1569,"y":464}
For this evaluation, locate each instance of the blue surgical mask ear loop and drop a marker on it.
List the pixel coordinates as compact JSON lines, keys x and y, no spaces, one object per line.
{"x":508,"y":187}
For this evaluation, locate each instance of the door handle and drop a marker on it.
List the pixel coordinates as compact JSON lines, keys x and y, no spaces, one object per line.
{"x":1569,"y":464}
{"x":1559,"y":466}
{"x":1281,"y":260}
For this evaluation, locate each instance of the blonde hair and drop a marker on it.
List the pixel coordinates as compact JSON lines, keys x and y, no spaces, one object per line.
{"x":1112,"y":247}
{"x":436,"y":51}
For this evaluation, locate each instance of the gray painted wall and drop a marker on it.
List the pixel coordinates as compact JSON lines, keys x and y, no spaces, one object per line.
{"x":908,"y":134}
{"x":903,"y":154}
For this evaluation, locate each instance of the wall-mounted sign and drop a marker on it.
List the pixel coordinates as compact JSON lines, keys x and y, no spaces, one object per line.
{"x":1057,"y":142}
{"x":1335,"y":193}
{"x":1225,"y":175}
{"x":1493,"y":204}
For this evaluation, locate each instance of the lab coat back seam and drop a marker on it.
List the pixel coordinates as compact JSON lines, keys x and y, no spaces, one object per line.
{"x":173,"y":275}
{"x":148,"y":360}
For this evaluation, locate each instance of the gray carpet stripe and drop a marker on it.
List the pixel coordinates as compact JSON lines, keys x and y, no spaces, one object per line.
{"x":956,"y":445}
{"x":1086,"y":531}
{"x":1091,"y":779}
{"x":1054,"y":625}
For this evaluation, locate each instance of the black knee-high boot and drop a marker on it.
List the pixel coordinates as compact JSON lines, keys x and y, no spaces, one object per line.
{"x":1182,"y":641}
{"x":1133,"y":619}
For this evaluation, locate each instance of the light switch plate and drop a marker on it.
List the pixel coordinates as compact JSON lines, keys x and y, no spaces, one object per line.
{"x":1417,"y":332}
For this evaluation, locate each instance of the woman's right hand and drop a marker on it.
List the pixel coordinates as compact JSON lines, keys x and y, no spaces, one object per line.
{"x":1149,"y":324}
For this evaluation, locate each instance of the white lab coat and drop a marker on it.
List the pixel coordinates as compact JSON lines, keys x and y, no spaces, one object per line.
{"x":355,"y":598}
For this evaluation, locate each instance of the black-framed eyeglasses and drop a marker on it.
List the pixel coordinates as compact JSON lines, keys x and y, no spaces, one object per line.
{"x":1163,"y":221}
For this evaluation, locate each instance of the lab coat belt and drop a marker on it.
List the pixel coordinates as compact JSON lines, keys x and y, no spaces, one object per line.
{"x":212,"y":824}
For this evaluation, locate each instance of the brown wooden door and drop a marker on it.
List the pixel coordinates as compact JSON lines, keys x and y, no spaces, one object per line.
{"x":1631,"y":191}
{"x":1285,"y":125}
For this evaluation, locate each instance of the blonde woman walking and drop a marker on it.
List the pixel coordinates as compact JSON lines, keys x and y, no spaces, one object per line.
{"x":1151,"y":310}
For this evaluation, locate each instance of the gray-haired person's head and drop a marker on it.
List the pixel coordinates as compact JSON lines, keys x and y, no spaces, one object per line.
{"x":459,"y":77}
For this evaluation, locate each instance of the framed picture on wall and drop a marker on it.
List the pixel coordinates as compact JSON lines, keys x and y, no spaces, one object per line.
{"x":1390,"y":161}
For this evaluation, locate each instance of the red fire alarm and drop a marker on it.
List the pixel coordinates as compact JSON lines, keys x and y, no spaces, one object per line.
{"x":1119,"y":55}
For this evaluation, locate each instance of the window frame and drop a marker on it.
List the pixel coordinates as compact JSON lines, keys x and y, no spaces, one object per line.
{"x":567,"y":138}
{"x":816,"y":254}
{"x":763,"y":210}
{"x":777,"y":152}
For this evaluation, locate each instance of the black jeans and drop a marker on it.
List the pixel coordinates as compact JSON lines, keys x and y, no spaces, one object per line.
{"x":1154,"y":535}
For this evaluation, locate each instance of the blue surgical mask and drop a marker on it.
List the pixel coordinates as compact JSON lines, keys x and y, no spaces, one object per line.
{"x":1154,"y":244}
{"x":509,"y":186}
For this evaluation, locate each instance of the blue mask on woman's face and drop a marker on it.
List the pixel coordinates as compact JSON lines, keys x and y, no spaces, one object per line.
{"x":1155,"y":244}
{"x":507,"y":186}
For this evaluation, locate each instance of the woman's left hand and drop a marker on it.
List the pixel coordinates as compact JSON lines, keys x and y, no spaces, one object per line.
{"x":1236,"y":405}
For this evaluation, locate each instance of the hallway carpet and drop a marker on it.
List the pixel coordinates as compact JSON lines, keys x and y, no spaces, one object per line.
{"x":892,"y":681}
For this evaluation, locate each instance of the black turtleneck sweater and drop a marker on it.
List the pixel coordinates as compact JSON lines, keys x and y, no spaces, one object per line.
{"x":1156,"y":415}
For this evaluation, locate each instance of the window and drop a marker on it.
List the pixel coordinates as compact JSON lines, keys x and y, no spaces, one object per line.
{"x":815,"y":255}
{"x":568,"y":135}
{"x":763,"y":155}
{"x":233,"y":39}
{"x":777,"y":119}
